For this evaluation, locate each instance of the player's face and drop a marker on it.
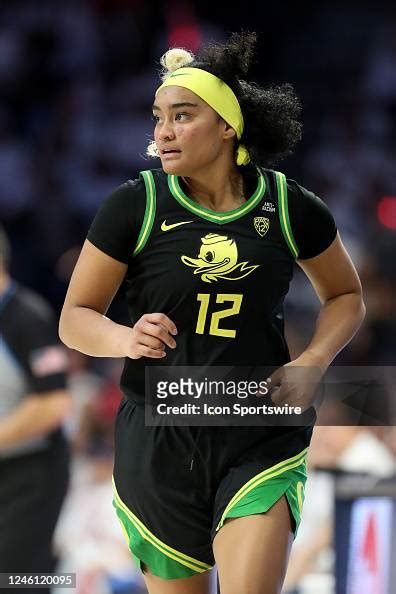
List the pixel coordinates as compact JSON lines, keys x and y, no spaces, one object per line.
{"x":189,"y":134}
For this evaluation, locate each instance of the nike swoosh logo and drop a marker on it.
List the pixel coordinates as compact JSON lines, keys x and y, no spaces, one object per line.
{"x":165,"y":227}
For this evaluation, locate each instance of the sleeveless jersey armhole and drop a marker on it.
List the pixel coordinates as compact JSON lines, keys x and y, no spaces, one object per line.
{"x":283,"y":209}
{"x":149,"y":214}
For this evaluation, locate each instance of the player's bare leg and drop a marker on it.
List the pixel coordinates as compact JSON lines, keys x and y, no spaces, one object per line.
{"x":198,"y":584}
{"x":252,"y":552}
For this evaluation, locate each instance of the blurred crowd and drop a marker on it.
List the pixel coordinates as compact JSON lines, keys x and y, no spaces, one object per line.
{"x":76,"y":86}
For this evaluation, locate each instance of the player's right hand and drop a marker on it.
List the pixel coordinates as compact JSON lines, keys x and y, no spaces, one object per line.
{"x":149,"y":336}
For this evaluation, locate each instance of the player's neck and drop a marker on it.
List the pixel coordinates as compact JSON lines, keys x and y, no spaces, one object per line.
{"x":219,"y":191}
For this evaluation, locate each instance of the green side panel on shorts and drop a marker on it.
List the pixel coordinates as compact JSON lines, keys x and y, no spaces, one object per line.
{"x":149,"y":215}
{"x":295,"y":498}
{"x":161,"y":559}
{"x":283,"y":210}
{"x":262,"y":491}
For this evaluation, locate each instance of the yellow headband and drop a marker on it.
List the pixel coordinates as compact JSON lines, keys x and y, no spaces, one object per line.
{"x":215,"y":93}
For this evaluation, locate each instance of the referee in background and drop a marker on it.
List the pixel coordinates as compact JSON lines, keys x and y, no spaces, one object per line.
{"x":34,"y":401}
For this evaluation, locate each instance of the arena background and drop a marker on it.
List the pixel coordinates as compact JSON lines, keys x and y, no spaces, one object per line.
{"x":76,"y":86}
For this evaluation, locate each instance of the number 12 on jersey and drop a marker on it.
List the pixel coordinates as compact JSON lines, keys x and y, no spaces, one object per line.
{"x":216,"y":316}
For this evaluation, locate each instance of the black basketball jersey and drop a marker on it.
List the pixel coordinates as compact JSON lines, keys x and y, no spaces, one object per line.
{"x":221,"y":277}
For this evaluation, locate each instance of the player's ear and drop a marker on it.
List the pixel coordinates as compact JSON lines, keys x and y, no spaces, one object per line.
{"x":228,"y":131}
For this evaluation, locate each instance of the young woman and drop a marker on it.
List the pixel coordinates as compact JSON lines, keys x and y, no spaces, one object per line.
{"x":207,"y":246}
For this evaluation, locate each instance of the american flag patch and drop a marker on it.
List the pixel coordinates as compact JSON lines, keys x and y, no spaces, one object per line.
{"x":48,"y":360}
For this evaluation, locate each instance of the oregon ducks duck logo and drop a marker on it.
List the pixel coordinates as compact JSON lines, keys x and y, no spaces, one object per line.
{"x":218,"y":258}
{"x":261,"y":224}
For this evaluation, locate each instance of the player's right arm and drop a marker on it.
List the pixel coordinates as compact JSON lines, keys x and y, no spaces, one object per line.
{"x":83,"y":325}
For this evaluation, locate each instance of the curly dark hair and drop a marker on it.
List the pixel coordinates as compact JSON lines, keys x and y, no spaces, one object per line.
{"x":271,"y":114}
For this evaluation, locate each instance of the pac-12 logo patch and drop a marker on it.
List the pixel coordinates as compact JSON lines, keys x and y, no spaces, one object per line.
{"x":261,"y":224}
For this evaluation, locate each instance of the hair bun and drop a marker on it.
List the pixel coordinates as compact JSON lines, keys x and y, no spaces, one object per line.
{"x":175,"y":58}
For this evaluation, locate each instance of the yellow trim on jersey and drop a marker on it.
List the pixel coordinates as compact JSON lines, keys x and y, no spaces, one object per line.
{"x":149,"y":212}
{"x":284,"y":212}
{"x":211,"y":215}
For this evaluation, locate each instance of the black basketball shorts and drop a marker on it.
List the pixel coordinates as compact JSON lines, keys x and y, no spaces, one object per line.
{"x":175,"y":486}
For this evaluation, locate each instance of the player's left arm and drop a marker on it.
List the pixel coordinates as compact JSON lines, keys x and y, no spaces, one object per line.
{"x":337,"y":285}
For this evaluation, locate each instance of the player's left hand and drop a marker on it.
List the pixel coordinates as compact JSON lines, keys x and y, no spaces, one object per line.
{"x":296,"y":383}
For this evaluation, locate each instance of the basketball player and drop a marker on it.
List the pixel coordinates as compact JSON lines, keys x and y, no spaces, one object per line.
{"x":206,"y":245}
